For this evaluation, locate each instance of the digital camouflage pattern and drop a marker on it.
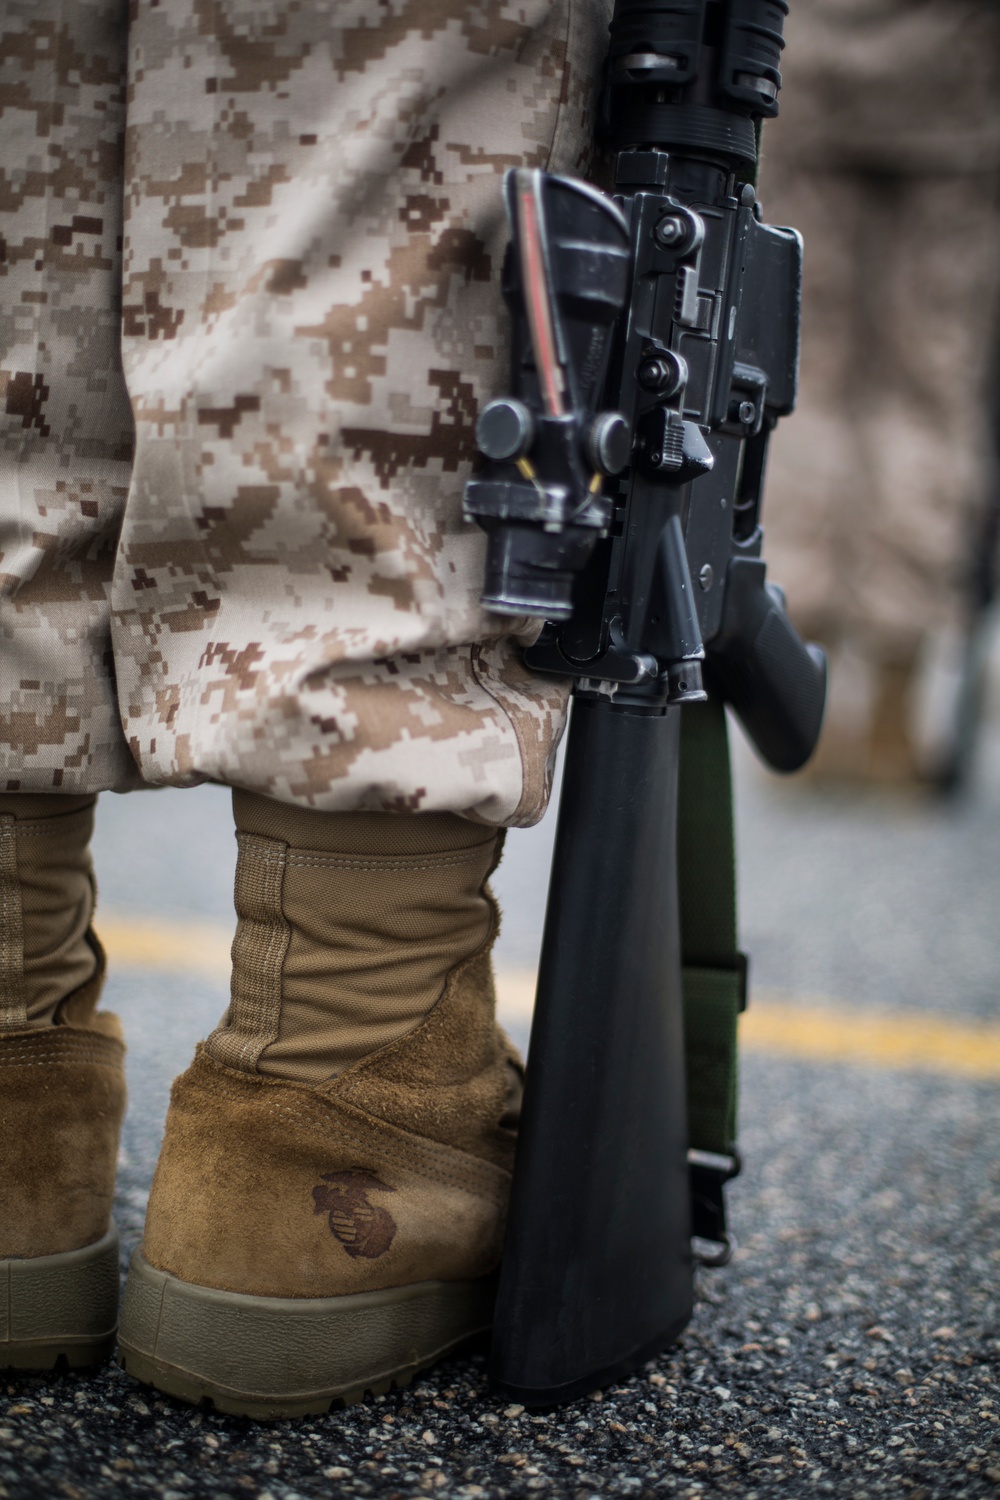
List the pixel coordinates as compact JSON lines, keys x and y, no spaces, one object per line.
{"x":310,"y":320}
{"x":65,"y":427}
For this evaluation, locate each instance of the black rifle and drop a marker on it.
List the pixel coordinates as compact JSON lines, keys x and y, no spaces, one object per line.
{"x":655,"y":344}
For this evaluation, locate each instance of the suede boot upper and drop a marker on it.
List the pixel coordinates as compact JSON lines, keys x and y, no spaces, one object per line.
{"x":344,"y":1130}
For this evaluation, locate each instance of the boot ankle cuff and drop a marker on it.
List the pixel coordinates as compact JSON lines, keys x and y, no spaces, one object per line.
{"x":376,"y":833}
{"x":31,"y":807}
{"x":47,"y":898}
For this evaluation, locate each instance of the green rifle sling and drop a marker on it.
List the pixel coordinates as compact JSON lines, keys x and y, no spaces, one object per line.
{"x":714,"y":967}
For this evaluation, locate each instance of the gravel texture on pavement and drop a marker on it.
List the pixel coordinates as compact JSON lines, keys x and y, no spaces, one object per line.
{"x":851,"y":1348}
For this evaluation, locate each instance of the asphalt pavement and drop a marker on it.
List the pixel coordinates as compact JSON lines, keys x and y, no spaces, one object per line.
{"x":851,"y":1347}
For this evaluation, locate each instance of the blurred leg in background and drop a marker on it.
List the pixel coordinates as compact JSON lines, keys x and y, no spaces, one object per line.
{"x":887,"y":157}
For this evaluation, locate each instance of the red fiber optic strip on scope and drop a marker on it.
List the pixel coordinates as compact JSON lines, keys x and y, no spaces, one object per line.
{"x":536,"y":295}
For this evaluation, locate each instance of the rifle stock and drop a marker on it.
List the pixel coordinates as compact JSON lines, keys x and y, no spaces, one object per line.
{"x":597,"y":1269}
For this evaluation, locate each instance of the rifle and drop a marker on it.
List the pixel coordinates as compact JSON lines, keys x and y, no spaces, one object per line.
{"x":655,"y":345}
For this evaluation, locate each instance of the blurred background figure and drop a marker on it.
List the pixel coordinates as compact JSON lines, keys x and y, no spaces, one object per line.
{"x":881,"y":497}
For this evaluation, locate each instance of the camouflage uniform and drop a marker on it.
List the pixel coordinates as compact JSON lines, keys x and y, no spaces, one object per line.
{"x":887,"y":157}
{"x":231,"y":540}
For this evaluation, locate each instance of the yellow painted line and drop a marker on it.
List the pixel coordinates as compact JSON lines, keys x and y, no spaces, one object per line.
{"x":827,"y":1031}
{"x":178,"y":947}
{"x":515,"y":996}
{"x":817,"y":1028}
{"x":820,"y":1029}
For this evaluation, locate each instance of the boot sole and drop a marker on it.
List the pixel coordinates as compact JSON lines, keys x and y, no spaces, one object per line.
{"x":60,"y":1310}
{"x":270,"y":1357}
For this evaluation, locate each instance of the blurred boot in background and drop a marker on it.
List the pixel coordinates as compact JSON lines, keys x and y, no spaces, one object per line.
{"x":887,"y":157}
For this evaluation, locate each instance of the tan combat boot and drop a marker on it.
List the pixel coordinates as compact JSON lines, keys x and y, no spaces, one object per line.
{"x":328,"y":1207}
{"x":62,"y":1094}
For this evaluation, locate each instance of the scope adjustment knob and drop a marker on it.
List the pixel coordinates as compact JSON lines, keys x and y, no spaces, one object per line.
{"x":505,"y":429}
{"x":609,"y":442}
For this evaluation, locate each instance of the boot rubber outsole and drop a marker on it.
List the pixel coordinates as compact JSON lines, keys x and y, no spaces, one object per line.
{"x":271,"y":1357}
{"x":60,"y":1310}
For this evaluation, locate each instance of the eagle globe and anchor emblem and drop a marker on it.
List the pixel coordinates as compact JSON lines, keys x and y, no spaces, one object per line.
{"x":365,"y":1229}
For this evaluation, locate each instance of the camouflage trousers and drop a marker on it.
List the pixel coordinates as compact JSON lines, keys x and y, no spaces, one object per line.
{"x":248,"y":308}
